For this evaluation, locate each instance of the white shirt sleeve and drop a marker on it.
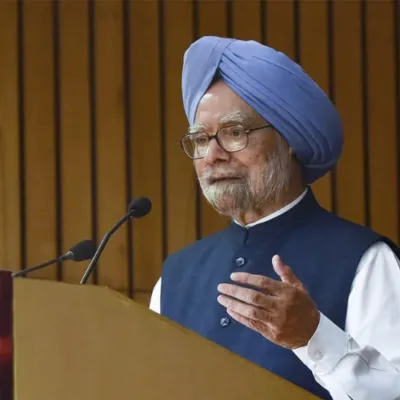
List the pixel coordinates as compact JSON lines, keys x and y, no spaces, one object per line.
{"x":362,"y":362}
{"x":155,"y":299}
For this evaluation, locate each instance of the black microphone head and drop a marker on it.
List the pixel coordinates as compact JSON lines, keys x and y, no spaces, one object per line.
{"x":83,"y":251}
{"x":139,"y":207}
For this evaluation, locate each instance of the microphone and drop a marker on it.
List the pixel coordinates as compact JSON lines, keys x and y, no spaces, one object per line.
{"x":82,"y":251}
{"x":138,"y":208}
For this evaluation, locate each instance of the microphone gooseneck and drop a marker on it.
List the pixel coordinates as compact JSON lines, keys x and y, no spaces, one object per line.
{"x":138,"y":208}
{"x":82,"y":251}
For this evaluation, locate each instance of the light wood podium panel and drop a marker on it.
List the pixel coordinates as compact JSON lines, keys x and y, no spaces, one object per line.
{"x":76,"y":342}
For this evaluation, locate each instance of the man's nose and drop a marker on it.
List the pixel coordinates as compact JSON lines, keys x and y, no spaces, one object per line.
{"x":215,"y":153}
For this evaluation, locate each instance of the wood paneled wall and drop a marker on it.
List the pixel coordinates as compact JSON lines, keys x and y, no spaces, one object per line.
{"x":91,"y":116}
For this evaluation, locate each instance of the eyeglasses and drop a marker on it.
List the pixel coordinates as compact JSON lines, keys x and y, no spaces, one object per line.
{"x":230,"y":138}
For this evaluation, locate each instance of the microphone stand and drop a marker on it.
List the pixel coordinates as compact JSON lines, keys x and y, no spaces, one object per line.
{"x":103,"y":243}
{"x":22,"y":272}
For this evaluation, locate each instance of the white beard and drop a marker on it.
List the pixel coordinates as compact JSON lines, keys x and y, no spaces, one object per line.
{"x":235,"y":198}
{"x":228,"y":198}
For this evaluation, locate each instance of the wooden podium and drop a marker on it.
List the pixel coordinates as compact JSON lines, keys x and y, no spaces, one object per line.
{"x":85,"y":342}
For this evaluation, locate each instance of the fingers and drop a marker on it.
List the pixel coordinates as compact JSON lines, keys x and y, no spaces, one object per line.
{"x":245,"y":310}
{"x":279,"y":267}
{"x":258,"y":326}
{"x":285,"y":273}
{"x":271,"y":286}
{"x":248,"y":296}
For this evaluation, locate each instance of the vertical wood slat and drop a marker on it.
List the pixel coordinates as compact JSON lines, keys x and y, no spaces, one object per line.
{"x":93,"y":125}
{"x":127,"y":83}
{"x":382,"y":118}
{"x":57,"y":133}
{"x":10,"y":252}
{"x":21,"y":132}
{"x":75,"y":131}
{"x":249,"y":30}
{"x":212,"y":20}
{"x":146,"y":144}
{"x":40,"y":164}
{"x":278,"y":14}
{"x":163,"y":125}
{"x":110,"y":142}
{"x":348,"y":97}
{"x":314,"y":59}
{"x":181,"y":194}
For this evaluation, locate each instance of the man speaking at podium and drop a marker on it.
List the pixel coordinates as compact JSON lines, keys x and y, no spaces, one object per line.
{"x":288,"y":285}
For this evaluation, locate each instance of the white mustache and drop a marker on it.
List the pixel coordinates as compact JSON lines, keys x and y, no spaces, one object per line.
{"x":219,"y":173}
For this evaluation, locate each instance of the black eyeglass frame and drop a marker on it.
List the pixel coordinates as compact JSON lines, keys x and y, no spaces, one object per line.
{"x":215,"y":136}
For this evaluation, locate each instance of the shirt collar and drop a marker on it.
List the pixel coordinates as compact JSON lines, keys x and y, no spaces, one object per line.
{"x":278,"y":212}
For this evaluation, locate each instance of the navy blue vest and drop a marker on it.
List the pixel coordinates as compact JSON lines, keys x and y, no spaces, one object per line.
{"x":323,"y":251}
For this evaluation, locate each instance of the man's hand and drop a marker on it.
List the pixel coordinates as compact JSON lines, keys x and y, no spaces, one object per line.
{"x":283,"y":312}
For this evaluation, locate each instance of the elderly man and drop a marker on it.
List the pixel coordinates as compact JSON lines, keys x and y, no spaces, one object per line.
{"x":260,"y":132}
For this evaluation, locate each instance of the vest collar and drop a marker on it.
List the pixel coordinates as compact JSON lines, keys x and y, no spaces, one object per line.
{"x":281,"y":222}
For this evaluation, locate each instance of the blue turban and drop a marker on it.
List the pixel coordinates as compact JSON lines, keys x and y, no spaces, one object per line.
{"x":274,"y":86}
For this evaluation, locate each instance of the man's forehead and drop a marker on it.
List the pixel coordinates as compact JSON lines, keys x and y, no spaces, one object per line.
{"x":219,"y":118}
{"x":236,"y":116}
